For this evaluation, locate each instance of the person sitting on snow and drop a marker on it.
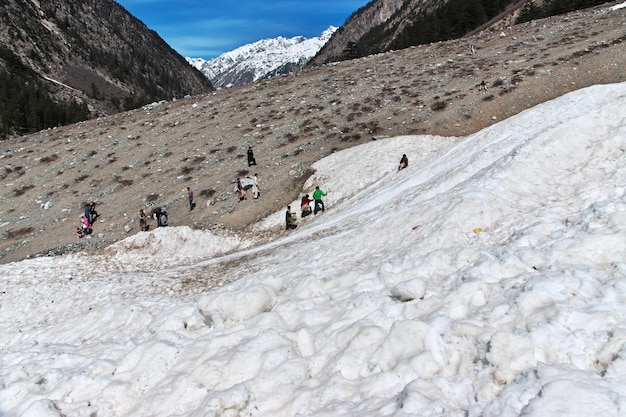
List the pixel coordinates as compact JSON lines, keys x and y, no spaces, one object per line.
{"x":404,"y":162}
{"x":290,"y":219}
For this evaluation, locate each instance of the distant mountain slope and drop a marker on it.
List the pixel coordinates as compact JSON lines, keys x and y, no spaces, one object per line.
{"x":93,"y":51}
{"x":261,"y":59}
{"x":376,"y":12}
{"x":384,"y":25}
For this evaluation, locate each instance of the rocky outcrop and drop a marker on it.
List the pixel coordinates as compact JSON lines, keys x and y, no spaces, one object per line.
{"x":358,"y":24}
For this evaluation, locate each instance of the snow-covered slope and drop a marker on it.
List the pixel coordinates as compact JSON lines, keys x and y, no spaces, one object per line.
{"x":261,"y":59}
{"x":488,"y":278}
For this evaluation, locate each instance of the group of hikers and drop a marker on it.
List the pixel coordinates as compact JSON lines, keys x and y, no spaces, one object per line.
{"x":305,"y":203}
{"x":248,"y":184}
{"x":305,"y":208}
{"x":160,"y":215}
{"x":86,"y":220}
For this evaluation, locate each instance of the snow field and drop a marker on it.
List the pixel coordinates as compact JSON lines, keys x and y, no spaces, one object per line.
{"x":486,"y":279}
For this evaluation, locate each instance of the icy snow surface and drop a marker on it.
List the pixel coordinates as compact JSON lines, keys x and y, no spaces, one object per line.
{"x":486,"y":279}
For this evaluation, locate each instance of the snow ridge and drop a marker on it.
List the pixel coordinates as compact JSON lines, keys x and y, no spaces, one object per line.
{"x":261,"y":59}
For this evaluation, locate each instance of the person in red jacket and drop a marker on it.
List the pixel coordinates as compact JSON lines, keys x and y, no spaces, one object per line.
{"x":305,"y":206}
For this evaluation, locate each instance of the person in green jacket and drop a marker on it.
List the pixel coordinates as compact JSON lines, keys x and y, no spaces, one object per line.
{"x":317,"y":196}
{"x":290,"y":220}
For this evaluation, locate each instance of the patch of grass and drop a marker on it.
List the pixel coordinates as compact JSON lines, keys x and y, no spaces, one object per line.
{"x":151,"y":198}
{"x":186,"y":170}
{"x":48,"y":159}
{"x":207,"y":193}
{"x":355,"y":137}
{"x":517,"y":78}
{"x":350,"y":117}
{"x":507,"y":90}
{"x":22,"y":190}
{"x":438,"y":105}
{"x":17,"y":233}
{"x":80,"y":178}
{"x":123,"y":182}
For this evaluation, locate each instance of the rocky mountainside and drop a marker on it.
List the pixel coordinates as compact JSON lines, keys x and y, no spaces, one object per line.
{"x":94,"y":51}
{"x":384,"y":25}
{"x":373,"y":14}
{"x":145,"y":158}
{"x":262,"y":59}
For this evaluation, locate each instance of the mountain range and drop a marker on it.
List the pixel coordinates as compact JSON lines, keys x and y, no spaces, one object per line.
{"x":261,"y":60}
{"x":62,"y":62}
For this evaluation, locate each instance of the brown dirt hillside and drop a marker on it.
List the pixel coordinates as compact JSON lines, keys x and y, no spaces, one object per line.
{"x":147,"y":157}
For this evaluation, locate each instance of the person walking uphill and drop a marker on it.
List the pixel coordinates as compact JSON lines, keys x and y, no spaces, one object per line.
{"x":192,"y":205}
{"x":317,"y":196}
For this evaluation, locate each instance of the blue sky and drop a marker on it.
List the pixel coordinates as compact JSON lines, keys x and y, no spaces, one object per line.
{"x":206,"y":29}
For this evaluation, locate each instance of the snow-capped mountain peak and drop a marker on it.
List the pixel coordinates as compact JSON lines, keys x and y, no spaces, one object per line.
{"x":261,"y":59}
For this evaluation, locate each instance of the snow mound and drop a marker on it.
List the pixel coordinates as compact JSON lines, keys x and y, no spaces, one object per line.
{"x":169,"y":246}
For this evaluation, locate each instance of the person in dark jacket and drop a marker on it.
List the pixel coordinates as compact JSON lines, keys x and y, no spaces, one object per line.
{"x":251,"y":160}
{"x":404,"y":162}
{"x":94,"y":214}
{"x":161,"y":217}
{"x":290,"y":220}
{"x":88,"y":213}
